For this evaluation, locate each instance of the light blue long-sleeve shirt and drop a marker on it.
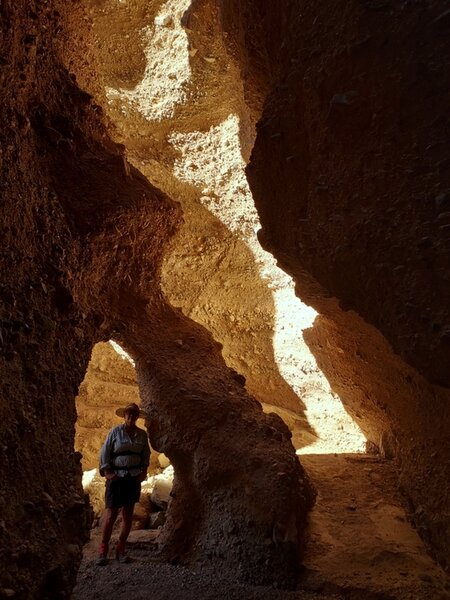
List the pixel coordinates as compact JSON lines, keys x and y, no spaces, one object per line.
{"x":136,"y":448}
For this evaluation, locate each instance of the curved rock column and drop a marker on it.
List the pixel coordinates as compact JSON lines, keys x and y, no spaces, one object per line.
{"x":240,"y":496}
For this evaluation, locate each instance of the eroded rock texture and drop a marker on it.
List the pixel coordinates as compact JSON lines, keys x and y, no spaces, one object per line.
{"x":209,"y":272}
{"x":221,"y":445}
{"x":81,"y":251}
{"x":45,"y":339}
{"x":67,"y":201}
{"x":350,"y":175}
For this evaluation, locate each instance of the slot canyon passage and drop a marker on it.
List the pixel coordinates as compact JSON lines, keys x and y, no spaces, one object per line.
{"x":236,"y":213}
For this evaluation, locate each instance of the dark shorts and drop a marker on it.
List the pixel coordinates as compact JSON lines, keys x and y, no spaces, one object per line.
{"x":122,"y":491}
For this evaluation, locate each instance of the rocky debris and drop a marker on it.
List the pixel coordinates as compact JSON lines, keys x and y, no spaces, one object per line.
{"x":163,"y":461}
{"x":154,"y":495}
{"x":161,"y":487}
{"x":140,"y":516}
{"x":95,"y":487}
{"x":138,"y":537}
{"x":144,"y":578}
{"x":157,"y":520}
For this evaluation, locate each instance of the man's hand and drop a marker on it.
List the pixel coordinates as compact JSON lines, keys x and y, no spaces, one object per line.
{"x":111,"y":475}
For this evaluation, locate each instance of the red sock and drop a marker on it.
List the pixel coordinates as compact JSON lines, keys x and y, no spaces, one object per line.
{"x":103,"y":549}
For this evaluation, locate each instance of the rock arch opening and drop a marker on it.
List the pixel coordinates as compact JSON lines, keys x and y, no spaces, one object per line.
{"x":110,"y":383}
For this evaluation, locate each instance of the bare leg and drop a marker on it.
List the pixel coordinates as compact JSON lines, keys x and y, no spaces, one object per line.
{"x":127,"y":518}
{"x":109,"y":518}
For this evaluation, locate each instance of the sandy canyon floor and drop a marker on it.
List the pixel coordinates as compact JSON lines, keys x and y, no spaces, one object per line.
{"x":360,"y":545}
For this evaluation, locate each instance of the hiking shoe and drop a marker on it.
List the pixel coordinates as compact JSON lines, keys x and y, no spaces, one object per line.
{"x":123,"y":558}
{"x":120,"y":553}
{"x":102,"y":560}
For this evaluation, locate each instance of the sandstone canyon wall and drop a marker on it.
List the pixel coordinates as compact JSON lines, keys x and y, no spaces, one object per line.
{"x":350,"y":175}
{"x":64,"y":186}
{"x":81,"y":252}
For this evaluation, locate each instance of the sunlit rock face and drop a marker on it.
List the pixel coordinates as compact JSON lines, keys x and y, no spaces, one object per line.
{"x":216,"y":271}
{"x":350,"y":177}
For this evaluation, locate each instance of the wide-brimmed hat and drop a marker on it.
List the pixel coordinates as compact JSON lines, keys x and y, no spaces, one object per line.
{"x":133,"y":407}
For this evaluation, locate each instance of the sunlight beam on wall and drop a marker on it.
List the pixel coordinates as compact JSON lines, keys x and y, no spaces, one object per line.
{"x":167,"y":70}
{"x":212,"y":161}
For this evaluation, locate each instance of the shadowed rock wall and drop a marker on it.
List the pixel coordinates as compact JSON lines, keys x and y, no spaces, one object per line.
{"x":350,"y":175}
{"x":61,"y":181}
{"x":355,"y":132}
{"x":45,"y":338}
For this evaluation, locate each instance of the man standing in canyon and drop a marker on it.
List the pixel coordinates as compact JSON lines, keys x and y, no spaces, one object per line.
{"x":124,"y":460}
